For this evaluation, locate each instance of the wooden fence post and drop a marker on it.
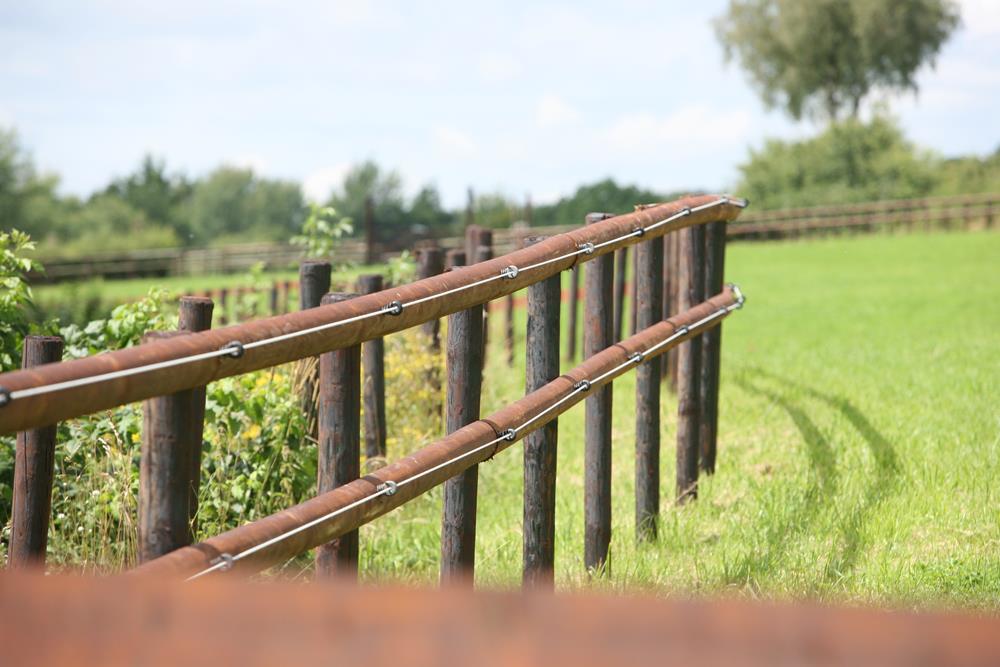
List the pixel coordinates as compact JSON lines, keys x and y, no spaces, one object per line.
{"x":464,"y":350}
{"x":597,"y":335}
{"x":676,"y":259}
{"x":649,"y":299}
{"x":711,"y":347}
{"x":574,"y":307}
{"x":633,"y":291}
{"x":223,"y":301}
{"x":484,"y":253}
{"x":34,"y":462}
{"x":509,"y":315}
{"x":373,"y":374}
{"x":195,"y":315}
{"x":471,"y":241}
{"x":165,"y":469}
{"x":692,"y":286}
{"x":621,"y":259}
{"x":542,"y":364}
{"x":669,"y":274}
{"x":274,"y":298}
{"x":339,"y":417}
{"x":431,"y":263}
{"x":286,"y":296}
{"x":314,"y":282}
{"x":369,"y":231}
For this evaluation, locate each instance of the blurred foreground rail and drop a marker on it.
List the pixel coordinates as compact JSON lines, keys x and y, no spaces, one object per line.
{"x":63,"y":620}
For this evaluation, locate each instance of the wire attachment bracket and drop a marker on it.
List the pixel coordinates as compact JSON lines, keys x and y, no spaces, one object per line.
{"x":235,"y":349}
{"x":582,"y":385}
{"x":586,"y":248}
{"x":509,"y":272}
{"x":393,"y":308}
{"x":637,"y":357}
{"x":225,"y":561}
{"x":5,"y":398}
{"x":388,"y":488}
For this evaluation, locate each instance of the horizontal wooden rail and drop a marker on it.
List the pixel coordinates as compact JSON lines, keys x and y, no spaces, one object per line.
{"x":436,"y":462}
{"x":50,"y":407}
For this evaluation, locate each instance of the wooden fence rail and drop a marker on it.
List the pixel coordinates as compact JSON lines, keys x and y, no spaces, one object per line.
{"x":170,"y":373}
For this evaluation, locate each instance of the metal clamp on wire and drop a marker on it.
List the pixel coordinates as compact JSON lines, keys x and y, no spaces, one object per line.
{"x":738,"y":293}
{"x":685,"y":211}
{"x":639,"y":231}
{"x":586,"y":248}
{"x":388,"y":488}
{"x":683,"y":331}
{"x":637,"y":358}
{"x":235,"y":349}
{"x":582,"y":385}
{"x":226,"y":560}
{"x":5,"y":398}
{"x":393,"y":308}
{"x":509,"y":435}
{"x":509,"y":273}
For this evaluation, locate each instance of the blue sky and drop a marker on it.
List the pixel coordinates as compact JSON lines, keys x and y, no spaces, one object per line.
{"x":520,"y":97}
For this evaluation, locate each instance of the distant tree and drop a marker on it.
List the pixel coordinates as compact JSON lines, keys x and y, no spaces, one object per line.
{"x":233,"y":204}
{"x":28,"y":200}
{"x":823,"y":57}
{"x":851,"y":161}
{"x":426,"y":215}
{"x":494,"y":210}
{"x":158,"y":195}
{"x":603,"y":196}
{"x":386,"y":190}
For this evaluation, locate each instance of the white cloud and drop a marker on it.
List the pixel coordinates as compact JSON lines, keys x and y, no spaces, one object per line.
{"x":553,"y":111}
{"x":685,"y":131}
{"x":495,"y":67}
{"x":454,"y":142}
{"x":318,"y":185}
{"x":981,"y":17}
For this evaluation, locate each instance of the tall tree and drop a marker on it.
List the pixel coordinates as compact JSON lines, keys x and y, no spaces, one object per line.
{"x":823,"y":57}
{"x":154,"y":192}
{"x":386,"y":190}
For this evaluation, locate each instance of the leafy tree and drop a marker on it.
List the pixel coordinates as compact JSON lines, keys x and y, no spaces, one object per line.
{"x":604,"y":195}
{"x":28,"y":199}
{"x":823,"y":57}
{"x":15,"y":295}
{"x":321,"y":231}
{"x":156,"y":194}
{"x":851,"y":161}
{"x":386,"y":190}
{"x":234,"y":204}
{"x":426,"y":214}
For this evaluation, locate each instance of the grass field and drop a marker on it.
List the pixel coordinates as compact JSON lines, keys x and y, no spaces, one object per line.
{"x":859,"y":454}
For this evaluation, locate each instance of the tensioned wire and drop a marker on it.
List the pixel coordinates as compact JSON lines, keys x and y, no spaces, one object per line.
{"x":236,"y":348}
{"x":225,"y":561}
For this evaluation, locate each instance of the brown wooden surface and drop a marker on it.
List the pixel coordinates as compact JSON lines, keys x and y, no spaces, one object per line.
{"x":649,"y":307}
{"x":464,"y":350}
{"x":195,"y":314}
{"x":540,"y":447}
{"x":34,"y":463}
{"x":597,"y":335}
{"x":339,"y":443}
{"x":690,"y":254}
{"x":373,"y":381}
{"x":711,"y":350}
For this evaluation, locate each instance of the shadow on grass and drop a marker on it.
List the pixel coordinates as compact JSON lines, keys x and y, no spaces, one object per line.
{"x":850,"y":524}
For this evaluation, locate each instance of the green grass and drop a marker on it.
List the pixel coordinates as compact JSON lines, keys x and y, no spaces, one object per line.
{"x":858,"y":451}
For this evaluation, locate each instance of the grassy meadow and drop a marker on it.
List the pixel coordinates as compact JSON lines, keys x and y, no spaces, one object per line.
{"x":859,"y":445}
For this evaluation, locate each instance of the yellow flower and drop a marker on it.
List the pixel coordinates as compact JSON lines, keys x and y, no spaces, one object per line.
{"x":252,"y":432}
{"x":136,"y":437}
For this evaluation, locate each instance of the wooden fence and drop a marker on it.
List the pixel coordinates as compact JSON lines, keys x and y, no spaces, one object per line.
{"x":169,"y":373}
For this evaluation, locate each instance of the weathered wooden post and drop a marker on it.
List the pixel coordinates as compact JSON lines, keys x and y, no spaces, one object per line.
{"x":431,"y":263}
{"x":34,"y":462}
{"x":165,"y":469}
{"x":692,"y":288}
{"x":195,"y":315}
{"x":621,"y":260}
{"x":373,"y":383}
{"x":314,"y":282}
{"x":471,"y":242}
{"x":286,"y":296}
{"x":464,"y":351}
{"x":274,"y":298}
{"x":509,"y":314}
{"x":339,"y":417}
{"x":223,"y":301}
{"x":711,"y":347}
{"x":484,"y":253}
{"x":574,"y":307}
{"x":673,"y":355}
{"x":542,"y":364}
{"x":597,"y":335}
{"x":669,"y":273}
{"x":633,"y":292}
{"x":369,"y":231}
{"x":649,"y":311}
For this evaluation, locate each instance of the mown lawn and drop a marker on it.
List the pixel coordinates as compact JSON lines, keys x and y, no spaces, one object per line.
{"x":859,"y":454}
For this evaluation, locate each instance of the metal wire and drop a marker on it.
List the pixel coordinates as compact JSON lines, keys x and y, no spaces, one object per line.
{"x":394,"y":308}
{"x":226,"y":561}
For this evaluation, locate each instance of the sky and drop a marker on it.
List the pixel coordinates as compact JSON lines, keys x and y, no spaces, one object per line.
{"x":524,"y":98}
